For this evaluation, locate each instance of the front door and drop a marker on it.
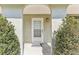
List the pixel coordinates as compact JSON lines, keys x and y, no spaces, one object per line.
{"x":37,"y":31}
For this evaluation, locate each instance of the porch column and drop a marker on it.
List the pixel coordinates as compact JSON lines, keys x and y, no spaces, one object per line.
{"x":57,"y":14}
{"x":14,"y":14}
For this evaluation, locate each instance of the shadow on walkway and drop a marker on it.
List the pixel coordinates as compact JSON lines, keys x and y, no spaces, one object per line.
{"x":46,"y":49}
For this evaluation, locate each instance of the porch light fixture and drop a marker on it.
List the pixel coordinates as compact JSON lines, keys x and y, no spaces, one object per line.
{"x":47,"y":19}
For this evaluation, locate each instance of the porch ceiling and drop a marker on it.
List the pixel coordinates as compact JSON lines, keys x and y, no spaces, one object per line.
{"x":73,"y":9}
{"x":42,"y":8}
{"x":36,"y":9}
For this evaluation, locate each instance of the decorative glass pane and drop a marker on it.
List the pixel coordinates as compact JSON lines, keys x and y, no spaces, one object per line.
{"x":37,"y":33}
{"x":37,"y":28}
{"x":37,"y":24}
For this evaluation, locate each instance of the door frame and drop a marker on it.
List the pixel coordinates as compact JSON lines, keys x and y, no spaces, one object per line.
{"x":35,"y":19}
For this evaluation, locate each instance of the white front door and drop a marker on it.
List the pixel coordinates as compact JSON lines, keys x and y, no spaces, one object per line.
{"x":37,"y":31}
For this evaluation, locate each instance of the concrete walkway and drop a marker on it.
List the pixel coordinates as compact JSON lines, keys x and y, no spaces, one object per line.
{"x":32,"y":50}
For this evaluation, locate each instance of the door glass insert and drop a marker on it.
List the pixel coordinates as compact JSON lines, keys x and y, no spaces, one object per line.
{"x":37,"y":28}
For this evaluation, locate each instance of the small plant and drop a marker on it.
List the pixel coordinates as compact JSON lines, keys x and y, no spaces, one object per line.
{"x":9,"y":44}
{"x":67,"y":37}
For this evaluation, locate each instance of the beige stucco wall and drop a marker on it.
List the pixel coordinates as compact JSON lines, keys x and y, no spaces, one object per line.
{"x":27,"y":27}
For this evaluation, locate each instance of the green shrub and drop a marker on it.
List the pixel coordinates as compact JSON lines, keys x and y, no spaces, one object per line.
{"x":67,"y":37}
{"x":9,"y":44}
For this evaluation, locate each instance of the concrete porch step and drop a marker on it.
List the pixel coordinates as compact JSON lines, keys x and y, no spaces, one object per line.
{"x":32,"y":50}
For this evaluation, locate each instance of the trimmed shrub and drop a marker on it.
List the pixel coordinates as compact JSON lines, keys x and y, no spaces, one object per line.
{"x":9,"y":44}
{"x":67,"y":37}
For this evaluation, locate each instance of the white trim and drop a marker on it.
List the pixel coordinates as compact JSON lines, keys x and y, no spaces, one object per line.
{"x":37,"y":19}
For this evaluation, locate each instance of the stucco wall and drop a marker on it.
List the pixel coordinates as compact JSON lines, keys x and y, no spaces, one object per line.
{"x":27,"y":27}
